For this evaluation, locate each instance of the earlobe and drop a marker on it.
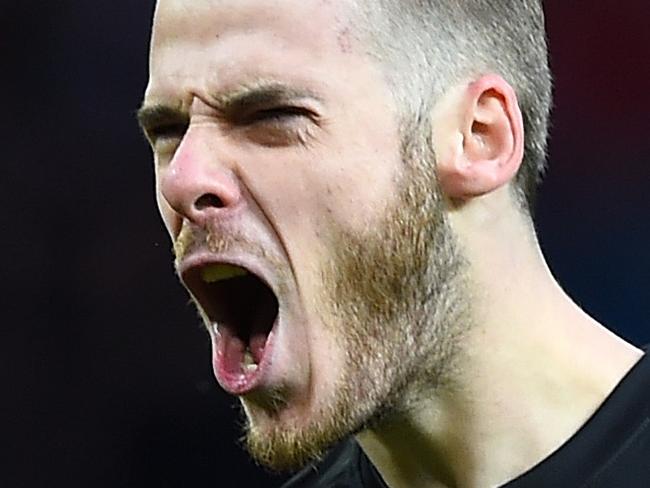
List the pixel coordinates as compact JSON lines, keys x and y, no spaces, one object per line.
{"x":481,"y":147}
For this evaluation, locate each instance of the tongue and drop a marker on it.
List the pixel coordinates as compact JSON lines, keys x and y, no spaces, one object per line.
{"x":232,"y":349}
{"x":235,"y":347}
{"x":246,"y":310}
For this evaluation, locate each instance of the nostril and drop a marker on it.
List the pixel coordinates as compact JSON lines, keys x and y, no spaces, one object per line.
{"x":208,"y":200}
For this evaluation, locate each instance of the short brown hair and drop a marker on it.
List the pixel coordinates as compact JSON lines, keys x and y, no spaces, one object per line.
{"x":426,"y":45}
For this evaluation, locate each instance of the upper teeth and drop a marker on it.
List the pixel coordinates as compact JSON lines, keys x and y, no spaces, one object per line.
{"x":220,"y":272}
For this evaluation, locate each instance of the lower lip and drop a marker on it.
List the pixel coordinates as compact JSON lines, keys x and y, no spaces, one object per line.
{"x":243,"y":382}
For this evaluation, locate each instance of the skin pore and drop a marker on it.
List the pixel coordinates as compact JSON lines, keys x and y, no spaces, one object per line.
{"x":415,"y":308}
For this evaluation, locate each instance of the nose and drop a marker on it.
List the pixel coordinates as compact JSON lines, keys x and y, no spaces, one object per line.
{"x":198,"y":184}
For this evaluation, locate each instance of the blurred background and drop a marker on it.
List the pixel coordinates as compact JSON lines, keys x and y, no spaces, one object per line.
{"x":105,"y":371}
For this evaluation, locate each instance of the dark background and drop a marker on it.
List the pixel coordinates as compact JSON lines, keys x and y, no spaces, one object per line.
{"x":105,"y":372}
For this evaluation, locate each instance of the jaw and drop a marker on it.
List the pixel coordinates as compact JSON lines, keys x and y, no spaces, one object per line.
{"x":285,"y":433}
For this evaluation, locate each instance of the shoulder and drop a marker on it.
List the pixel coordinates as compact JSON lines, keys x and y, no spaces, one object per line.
{"x":613,"y":447}
{"x":628,"y":438}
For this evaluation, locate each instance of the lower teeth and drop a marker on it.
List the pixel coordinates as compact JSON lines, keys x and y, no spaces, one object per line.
{"x":249,"y":362}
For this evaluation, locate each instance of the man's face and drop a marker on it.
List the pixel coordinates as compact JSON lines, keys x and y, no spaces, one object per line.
{"x":306,"y":229}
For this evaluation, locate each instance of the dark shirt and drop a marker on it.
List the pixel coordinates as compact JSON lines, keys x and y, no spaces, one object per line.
{"x":611,"y":450}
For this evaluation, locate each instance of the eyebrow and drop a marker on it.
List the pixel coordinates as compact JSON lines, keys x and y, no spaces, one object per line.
{"x":229,"y":103}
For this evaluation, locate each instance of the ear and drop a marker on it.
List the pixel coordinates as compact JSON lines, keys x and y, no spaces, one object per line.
{"x":478,"y":137}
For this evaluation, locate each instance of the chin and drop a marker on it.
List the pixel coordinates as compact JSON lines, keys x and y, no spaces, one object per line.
{"x":286,"y":438}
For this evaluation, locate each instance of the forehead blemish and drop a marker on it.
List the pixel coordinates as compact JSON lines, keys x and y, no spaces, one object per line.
{"x":343,"y":16}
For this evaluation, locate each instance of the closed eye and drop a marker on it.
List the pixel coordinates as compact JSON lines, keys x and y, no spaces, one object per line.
{"x":278,"y":126}
{"x":166,"y":132}
{"x":277,"y":114}
{"x":162,"y":123}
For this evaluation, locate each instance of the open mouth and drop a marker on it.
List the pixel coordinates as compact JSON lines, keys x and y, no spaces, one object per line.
{"x":244,"y":310}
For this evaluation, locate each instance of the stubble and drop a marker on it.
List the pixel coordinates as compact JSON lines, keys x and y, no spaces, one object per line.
{"x":394,"y":297}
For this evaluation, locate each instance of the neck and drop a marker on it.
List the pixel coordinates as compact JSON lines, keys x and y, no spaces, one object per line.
{"x":531,"y":372}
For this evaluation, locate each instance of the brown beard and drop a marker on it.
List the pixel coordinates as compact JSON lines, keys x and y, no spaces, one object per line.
{"x":395,"y":299}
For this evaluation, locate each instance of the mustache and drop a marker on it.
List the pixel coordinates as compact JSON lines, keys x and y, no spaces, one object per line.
{"x":216,"y":240}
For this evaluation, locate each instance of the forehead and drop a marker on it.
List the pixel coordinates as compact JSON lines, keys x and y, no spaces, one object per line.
{"x":206,"y":17}
{"x":220,"y":42}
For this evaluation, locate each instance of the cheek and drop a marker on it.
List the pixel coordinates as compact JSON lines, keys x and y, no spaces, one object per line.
{"x":169,"y":217}
{"x":354,"y":192}
{"x":326,"y":357}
